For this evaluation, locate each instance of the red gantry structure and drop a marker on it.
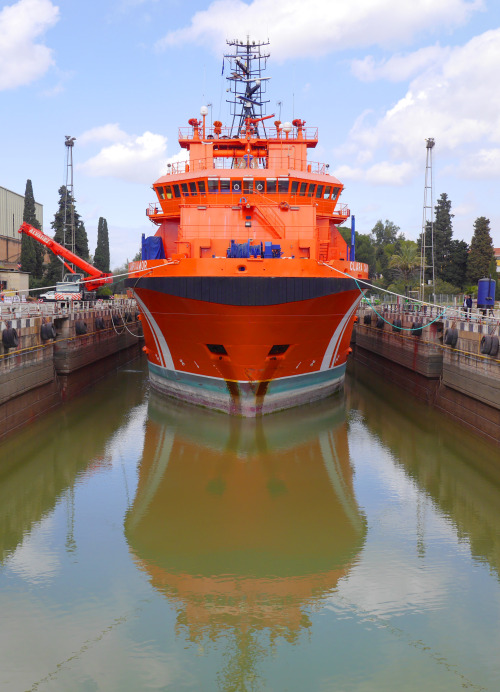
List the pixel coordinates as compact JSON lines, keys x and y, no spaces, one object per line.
{"x":247,"y":289}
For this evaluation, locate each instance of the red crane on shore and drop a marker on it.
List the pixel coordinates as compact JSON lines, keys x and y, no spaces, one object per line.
{"x":74,"y":285}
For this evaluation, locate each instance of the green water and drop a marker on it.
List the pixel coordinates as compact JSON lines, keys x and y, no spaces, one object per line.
{"x":352,"y":545}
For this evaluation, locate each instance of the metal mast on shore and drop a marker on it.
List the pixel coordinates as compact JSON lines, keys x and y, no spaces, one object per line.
{"x":427,"y":235}
{"x":69,"y":224}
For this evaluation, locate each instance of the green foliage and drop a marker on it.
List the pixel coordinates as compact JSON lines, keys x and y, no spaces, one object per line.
{"x":104,"y":291}
{"x":443,"y":232}
{"x":407,"y":261}
{"x":101,"y":257}
{"x":455,"y":269}
{"x":56,"y":269}
{"x":481,"y":251}
{"x":32,"y":252}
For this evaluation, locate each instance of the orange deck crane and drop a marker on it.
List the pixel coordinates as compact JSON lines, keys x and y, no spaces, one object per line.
{"x":85,"y":287}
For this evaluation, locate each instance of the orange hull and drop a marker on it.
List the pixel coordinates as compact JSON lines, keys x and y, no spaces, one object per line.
{"x":247,"y":344}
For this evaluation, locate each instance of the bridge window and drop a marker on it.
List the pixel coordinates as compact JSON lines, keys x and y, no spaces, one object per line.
{"x":328,"y":189}
{"x":310,"y":192}
{"x":247,"y":186}
{"x":259,"y":185}
{"x":295,"y":187}
{"x":335,"y":192}
{"x":302,"y":191}
{"x":177,"y":191}
{"x":271,"y":185}
{"x":192,"y":188}
{"x":225,"y":185}
{"x":168,"y":191}
{"x":185,"y":190}
{"x":236,"y":186}
{"x":161,"y":192}
{"x":202,"y":187}
{"x":213,"y":184}
{"x":283,"y":184}
{"x":319,"y":191}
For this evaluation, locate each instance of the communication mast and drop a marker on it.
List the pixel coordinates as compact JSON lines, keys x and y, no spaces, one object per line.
{"x":246,"y":83}
{"x":69,"y":223}
{"x":427,"y":236}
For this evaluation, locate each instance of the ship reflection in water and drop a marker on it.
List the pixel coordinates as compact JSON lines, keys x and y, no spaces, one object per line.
{"x":245,"y":524}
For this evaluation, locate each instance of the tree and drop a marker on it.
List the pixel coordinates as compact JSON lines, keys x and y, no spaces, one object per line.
{"x":455,"y":271}
{"x":406,"y":261}
{"x":101,"y":257}
{"x":443,"y":231}
{"x":386,"y":238}
{"x":32,"y":252}
{"x":481,"y":251}
{"x":66,"y":202}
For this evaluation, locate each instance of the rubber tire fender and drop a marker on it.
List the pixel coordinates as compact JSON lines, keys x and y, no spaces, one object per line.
{"x":494,"y":346}
{"x":117,"y":320}
{"x":396,"y":326}
{"x":380,"y":323}
{"x":128,"y":317}
{"x":451,"y":337}
{"x":80,"y":327}
{"x":485,"y":347}
{"x":417,"y":328}
{"x":367,"y":319}
{"x":99,"y":323}
{"x":10,"y":338}
{"x":47,"y":331}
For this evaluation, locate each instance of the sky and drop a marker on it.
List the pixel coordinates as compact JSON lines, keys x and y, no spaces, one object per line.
{"x":377,"y":77}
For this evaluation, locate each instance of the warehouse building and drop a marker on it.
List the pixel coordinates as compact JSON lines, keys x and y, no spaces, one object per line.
{"x":11,"y":217}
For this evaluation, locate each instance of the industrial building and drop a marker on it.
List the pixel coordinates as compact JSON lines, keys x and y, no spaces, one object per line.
{"x":11,"y":217}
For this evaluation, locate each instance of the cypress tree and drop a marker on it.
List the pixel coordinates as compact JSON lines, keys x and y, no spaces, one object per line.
{"x":32,"y":252}
{"x":443,"y":231}
{"x":481,"y":251}
{"x":101,"y":257}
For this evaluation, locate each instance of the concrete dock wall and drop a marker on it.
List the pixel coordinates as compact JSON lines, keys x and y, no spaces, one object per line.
{"x":40,"y":372}
{"x":458,"y":380}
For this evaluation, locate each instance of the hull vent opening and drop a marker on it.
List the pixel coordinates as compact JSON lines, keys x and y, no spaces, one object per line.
{"x":278,"y":349}
{"x":217,"y":349}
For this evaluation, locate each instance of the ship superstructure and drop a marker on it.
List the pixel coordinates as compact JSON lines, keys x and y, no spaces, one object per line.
{"x":245,"y":289}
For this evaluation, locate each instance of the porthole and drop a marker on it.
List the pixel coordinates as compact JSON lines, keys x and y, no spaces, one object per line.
{"x":242,"y":268}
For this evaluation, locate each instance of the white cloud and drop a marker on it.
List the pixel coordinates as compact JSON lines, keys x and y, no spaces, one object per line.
{"x":137,"y":159}
{"x":321,"y":26}
{"x":398,"y":67}
{"x":483,"y":164}
{"x":383,"y":173}
{"x":455,"y":101}
{"x":22,"y":60}
{"x":104,"y":133}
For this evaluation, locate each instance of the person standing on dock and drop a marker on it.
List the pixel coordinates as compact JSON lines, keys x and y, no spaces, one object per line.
{"x":468,"y":303}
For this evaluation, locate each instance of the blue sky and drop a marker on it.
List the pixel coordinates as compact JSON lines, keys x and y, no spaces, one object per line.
{"x":377,"y":77}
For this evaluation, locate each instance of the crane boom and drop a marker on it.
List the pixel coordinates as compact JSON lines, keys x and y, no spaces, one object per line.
{"x":98,"y":278}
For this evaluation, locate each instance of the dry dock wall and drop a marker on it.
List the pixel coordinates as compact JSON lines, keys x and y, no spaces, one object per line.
{"x":459,"y":381}
{"x":40,"y":374}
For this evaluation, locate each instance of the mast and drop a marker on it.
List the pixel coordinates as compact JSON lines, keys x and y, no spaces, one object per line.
{"x":426,"y":242}
{"x":246,"y":64}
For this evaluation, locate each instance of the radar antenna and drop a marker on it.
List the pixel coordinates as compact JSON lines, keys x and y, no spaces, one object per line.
{"x":247,"y":85}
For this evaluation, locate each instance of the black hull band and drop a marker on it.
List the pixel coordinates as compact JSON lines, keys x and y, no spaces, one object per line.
{"x":248,"y":290}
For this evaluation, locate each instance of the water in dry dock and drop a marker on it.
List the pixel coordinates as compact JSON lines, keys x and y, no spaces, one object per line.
{"x":348,"y":546}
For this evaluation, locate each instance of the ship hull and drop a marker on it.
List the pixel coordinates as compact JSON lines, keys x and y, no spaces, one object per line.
{"x":248,"y":346}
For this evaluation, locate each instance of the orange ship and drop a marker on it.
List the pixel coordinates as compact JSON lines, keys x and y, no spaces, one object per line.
{"x":247,"y":290}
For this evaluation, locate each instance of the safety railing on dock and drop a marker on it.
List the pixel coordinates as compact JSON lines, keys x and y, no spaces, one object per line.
{"x":10,"y":311}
